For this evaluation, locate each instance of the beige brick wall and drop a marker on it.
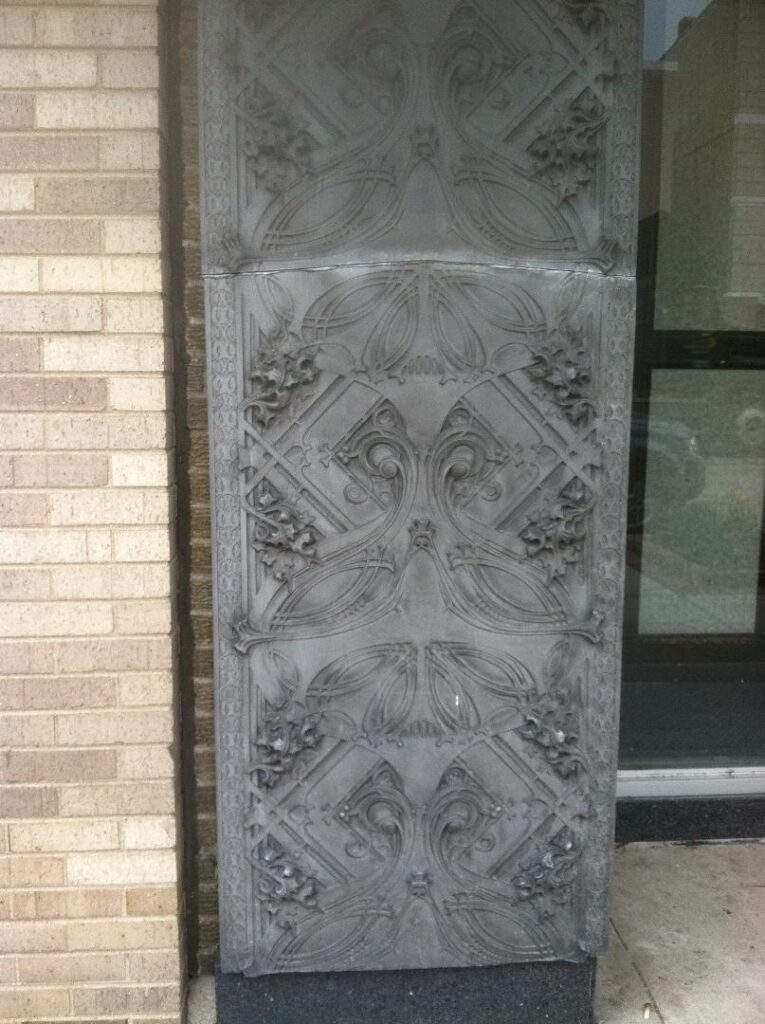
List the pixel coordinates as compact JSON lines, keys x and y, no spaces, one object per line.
{"x":89,"y":922}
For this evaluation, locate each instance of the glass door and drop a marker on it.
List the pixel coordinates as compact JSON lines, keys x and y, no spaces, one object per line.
{"x":694,"y":666}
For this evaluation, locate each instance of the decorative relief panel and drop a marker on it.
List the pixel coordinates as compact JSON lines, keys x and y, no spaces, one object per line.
{"x":475,"y":130}
{"x":419,"y":464}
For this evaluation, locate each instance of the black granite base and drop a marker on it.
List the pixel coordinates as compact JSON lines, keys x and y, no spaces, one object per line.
{"x":696,"y":819}
{"x":535,"y":993}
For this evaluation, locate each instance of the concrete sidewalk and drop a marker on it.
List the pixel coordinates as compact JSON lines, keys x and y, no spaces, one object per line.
{"x":687,"y":938}
{"x":688,"y":935}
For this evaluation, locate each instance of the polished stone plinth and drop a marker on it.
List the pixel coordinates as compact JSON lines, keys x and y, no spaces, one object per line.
{"x":534,"y":993}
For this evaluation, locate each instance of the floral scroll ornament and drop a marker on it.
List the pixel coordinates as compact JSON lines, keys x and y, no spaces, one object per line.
{"x":591,"y":14}
{"x":547,"y":881}
{"x":548,"y":726}
{"x":563,"y":368}
{"x":256,"y":13}
{"x":283,"y":882}
{"x":233,"y":251}
{"x":282,"y":366}
{"x":551,"y":720}
{"x":288,"y":731}
{"x":556,"y":535}
{"x":284,"y":536}
{"x":279,"y":149}
{"x":566,"y":149}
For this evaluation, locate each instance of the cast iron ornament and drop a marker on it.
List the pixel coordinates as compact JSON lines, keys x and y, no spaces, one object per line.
{"x":419,"y":257}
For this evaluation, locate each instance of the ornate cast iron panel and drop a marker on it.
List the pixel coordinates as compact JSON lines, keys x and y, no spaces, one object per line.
{"x":419,"y":247}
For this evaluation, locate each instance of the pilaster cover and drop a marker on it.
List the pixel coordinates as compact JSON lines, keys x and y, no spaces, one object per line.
{"x":419,"y":256}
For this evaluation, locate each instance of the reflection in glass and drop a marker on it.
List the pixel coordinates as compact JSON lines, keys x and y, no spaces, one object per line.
{"x":704,"y":161}
{"x":705,"y":475}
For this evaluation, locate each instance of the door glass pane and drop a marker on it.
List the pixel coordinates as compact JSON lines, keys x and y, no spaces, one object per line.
{"x":693,"y":689}
{"x":702,"y":516}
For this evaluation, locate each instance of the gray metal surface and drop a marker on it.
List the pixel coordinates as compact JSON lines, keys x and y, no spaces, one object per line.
{"x":419,"y":254}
